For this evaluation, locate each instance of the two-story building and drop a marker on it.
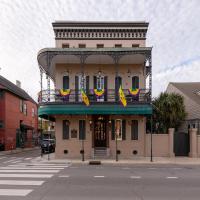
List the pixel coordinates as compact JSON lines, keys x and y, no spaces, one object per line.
{"x":18,"y":116}
{"x":102,"y":77}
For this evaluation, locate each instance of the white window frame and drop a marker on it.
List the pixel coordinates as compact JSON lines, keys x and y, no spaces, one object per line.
{"x":33,"y":112}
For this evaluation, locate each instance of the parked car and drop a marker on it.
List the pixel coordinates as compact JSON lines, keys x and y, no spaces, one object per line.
{"x":2,"y":147}
{"x":48,"y":146}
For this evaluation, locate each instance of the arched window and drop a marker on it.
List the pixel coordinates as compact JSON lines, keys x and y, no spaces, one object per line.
{"x":135,"y":82}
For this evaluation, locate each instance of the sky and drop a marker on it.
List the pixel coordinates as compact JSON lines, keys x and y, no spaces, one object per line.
{"x":174,"y":34}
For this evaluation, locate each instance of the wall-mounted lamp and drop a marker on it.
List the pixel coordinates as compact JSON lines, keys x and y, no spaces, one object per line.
{"x":67,"y":122}
{"x":91,"y":124}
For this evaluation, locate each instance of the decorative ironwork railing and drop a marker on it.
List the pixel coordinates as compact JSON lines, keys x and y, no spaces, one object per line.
{"x":109,"y":96}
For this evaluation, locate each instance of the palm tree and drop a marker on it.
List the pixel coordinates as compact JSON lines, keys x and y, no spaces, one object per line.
{"x":168,"y":112}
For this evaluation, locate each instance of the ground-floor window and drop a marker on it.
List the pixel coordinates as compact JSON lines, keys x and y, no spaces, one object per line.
{"x":134,"y":130}
{"x":118,"y":129}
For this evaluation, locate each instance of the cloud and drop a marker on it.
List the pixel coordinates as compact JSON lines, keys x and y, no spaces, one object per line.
{"x":185,"y":72}
{"x":26,"y":28}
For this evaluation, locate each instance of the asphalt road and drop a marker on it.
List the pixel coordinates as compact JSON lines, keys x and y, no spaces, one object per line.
{"x":110,"y":182}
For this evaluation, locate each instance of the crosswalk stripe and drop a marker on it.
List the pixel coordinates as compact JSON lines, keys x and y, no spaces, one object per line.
{"x":31,"y":165}
{"x":21,"y":182}
{"x":135,"y":177}
{"x":27,"y":175}
{"x":46,"y":164}
{"x":28,"y":170}
{"x":2,"y":158}
{"x":18,"y":161}
{"x":12,"y":160}
{"x":42,"y":168}
{"x":14,"y":192}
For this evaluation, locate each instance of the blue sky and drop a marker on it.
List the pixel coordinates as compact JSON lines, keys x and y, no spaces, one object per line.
{"x":174,"y":33}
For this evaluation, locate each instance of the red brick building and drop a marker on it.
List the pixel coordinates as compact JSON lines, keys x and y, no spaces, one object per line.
{"x":18,"y":116}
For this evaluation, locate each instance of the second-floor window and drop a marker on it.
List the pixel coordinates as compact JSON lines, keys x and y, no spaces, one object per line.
{"x":25,"y":109}
{"x":65,"y":82}
{"x":21,"y":108}
{"x":135,"y":82}
{"x":33,"y":112}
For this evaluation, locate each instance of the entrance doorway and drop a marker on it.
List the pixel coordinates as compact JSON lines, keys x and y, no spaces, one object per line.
{"x":100,"y":131}
{"x":181,"y":144}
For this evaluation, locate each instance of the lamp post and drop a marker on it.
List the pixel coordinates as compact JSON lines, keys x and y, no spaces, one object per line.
{"x":151,"y":141}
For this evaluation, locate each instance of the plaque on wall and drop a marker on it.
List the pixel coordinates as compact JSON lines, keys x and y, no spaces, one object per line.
{"x":73,"y":133}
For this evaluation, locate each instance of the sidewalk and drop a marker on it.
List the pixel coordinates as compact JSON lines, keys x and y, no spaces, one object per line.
{"x":18,"y":150}
{"x":138,"y":160}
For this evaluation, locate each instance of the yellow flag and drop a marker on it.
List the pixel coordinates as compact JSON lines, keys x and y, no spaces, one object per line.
{"x":122,"y":97}
{"x":85,"y":98}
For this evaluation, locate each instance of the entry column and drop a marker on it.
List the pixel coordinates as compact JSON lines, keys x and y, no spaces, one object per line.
{"x":193,"y":142}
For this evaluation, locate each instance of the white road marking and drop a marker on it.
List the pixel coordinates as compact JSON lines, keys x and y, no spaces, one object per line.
{"x":2,"y":157}
{"x":42,"y":168}
{"x":126,"y":168}
{"x":16,"y":161}
{"x":27,"y":175}
{"x":99,"y":176}
{"x":28,"y":170}
{"x":14,"y":192}
{"x":9,"y":161}
{"x":64,"y":176}
{"x":172,"y":177}
{"x":135,"y":177}
{"x":27,"y":158}
{"x":14,"y":182}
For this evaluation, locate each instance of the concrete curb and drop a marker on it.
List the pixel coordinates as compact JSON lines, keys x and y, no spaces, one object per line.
{"x":15,"y":151}
{"x":140,"y":161}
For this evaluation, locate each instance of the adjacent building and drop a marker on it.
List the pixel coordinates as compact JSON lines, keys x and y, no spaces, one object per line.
{"x":187,"y":137}
{"x":191,"y":94}
{"x":18,"y":116}
{"x":102,"y":78}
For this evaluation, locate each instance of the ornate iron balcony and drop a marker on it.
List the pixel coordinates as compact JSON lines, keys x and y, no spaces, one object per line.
{"x":110,"y":96}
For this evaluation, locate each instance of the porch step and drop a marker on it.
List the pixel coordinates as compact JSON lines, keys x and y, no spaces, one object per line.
{"x":100,"y":152}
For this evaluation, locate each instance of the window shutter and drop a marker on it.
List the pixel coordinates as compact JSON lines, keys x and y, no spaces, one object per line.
{"x":134,"y":130}
{"x":87,"y":85}
{"x":82,"y":130}
{"x":113,"y":129}
{"x":76,"y":88}
{"x":65,"y":129}
{"x":123,"y":129}
{"x":65,"y":82}
{"x":105,"y":87}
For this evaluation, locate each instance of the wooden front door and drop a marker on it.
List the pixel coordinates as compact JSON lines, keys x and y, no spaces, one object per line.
{"x":100,"y":136}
